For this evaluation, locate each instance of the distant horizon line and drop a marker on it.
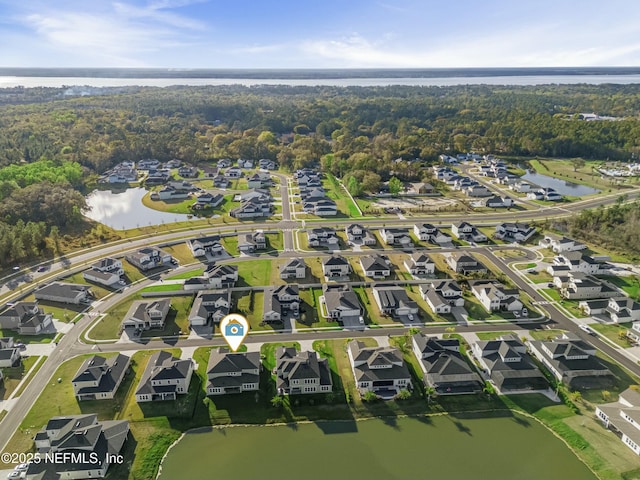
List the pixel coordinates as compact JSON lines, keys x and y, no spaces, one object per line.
{"x":305,"y":73}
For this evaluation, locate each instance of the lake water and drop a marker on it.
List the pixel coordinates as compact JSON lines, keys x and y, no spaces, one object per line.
{"x":561,"y":186}
{"x":122,"y":210}
{"x":57,"y":82}
{"x":446,"y":447}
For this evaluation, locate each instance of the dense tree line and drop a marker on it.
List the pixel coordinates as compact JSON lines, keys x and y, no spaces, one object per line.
{"x":616,"y":227}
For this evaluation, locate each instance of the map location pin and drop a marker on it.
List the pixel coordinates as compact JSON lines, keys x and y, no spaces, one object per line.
{"x":234,"y":329}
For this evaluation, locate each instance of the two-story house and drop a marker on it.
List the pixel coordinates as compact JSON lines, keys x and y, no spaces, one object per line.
{"x":623,"y":418}
{"x":210,"y":306}
{"x":164,"y":378}
{"x":99,"y":378}
{"x":250,"y":242}
{"x":380,"y":370}
{"x":358,"y":235}
{"x":420,"y":265}
{"x":396,"y":236}
{"x":336,"y":267}
{"x":514,"y":232}
{"x":375,"y":266}
{"x":106,"y":272}
{"x":233,"y":372}
{"x":293,"y":268}
{"x":395,"y":301}
{"x":280,"y":301}
{"x":494,"y":296}
{"x":465,"y":264}
{"x":467,"y":232}
{"x":26,"y":318}
{"x":146,"y":315}
{"x":301,"y":372}
{"x":148,"y":258}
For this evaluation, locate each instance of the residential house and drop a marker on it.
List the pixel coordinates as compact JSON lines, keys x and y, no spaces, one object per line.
{"x":396,"y":236}
{"x":157,"y":177}
{"x":233,"y":173}
{"x":26,"y":318}
{"x":148,"y":258}
{"x":477,"y":191}
{"x":358,"y":235}
{"x":267,"y":164}
{"x":246,"y":164}
{"x":94,"y":445}
{"x":467,"y":232}
{"x":210,"y":306}
{"x":582,"y":286}
{"x":375,"y":266}
{"x":508,"y":364}
{"x":148,"y":164}
{"x":61,"y":292}
{"x":448,"y":289}
{"x":465,"y":264}
{"x":202,"y":246}
{"x":253,"y":208}
{"x":437,"y":303}
{"x":380,"y":370}
{"x":577,"y":261}
{"x":499,"y":202}
{"x":250,"y":242}
{"x":445,"y":369}
{"x":561,"y":244}
{"x":301,"y":373}
{"x":395,"y":301}
{"x":189,"y":171}
{"x":336,"y":267}
{"x":279,"y":302}
{"x":220,"y":181}
{"x":572,"y":361}
{"x":169,"y":193}
{"x":623,"y":418}
{"x":146,"y":315}
{"x":215,"y":277}
{"x":514,"y":232}
{"x":424,"y":231}
{"x":106,"y":272}
{"x":209,"y":172}
{"x":521,"y":187}
{"x":495,"y":297}
{"x":294,"y":268}
{"x":9,"y":353}
{"x":615,"y":309}
{"x":207,"y":200}
{"x":259,"y":180}
{"x":420,"y":188}
{"x":340,"y":303}
{"x":420,"y":265}
{"x":164,"y":378}
{"x":233,"y":372}
{"x":99,"y":378}
{"x":323,"y":237}
{"x":324,"y":207}
{"x":223,"y":163}
{"x":548,"y":194}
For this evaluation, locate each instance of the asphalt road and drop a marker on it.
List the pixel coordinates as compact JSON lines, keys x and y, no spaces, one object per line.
{"x":70,"y":344}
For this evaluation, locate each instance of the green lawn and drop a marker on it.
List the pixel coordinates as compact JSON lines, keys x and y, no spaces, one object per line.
{"x":180,"y":206}
{"x":630,"y":285}
{"x":545,"y":334}
{"x":614,"y":333}
{"x":177,"y":319}
{"x":14,"y":375}
{"x":309,"y":310}
{"x":570,"y":305}
{"x":186,"y":275}
{"x":181,"y":252}
{"x":251,"y":305}
{"x":345,"y":205}
{"x":108,"y":327}
{"x":163,"y":287}
{"x":268,"y":353}
{"x":256,"y":273}
{"x":491,"y":335}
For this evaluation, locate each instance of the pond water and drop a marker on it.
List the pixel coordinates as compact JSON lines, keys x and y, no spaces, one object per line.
{"x":446,"y":447}
{"x":561,"y":186}
{"x":122,"y":210}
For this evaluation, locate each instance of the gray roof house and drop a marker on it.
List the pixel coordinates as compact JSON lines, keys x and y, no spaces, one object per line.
{"x":396,"y":236}
{"x":145,"y":315}
{"x":202,"y":246}
{"x":336,"y":267}
{"x":62,"y":292}
{"x":27,"y":318}
{"x":380,"y":370}
{"x":106,"y":271}
{"x":358,"y":235}
{"x":98,"y":378}
{"x":215,"y":277}
{"x":323,"y":237}
{"x":280,"y":301}
{"x":340,"y":302}
{"x":301,"y":373}
{"x":514,"y":232}
{"x":230,"y":372}
{"x":444,"y":367}
{"x":148,"y":258}
{"x":572,"y":361}
{"x":623,"y":418}
{"x":164,"y":378}
{"x":95,"y":444}
{"x":507,"y":362}
{"x":210,"y":306}
{"x":250,"y":242}
{"x":395,"y":301}
{"x":375,"y":266}
{"x":294,"y":268}
{"x":449,"y":290}
{"x":465,"y":264}
{"x":9,"y":353}
{"x":420,"y":265}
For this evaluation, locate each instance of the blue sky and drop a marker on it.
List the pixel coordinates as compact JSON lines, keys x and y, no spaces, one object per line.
{"x":319,"y":33}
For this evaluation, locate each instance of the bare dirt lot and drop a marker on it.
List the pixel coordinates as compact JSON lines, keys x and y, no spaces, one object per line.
{"x":410,"y":203}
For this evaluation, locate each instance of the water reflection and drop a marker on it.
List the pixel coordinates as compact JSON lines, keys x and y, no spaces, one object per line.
{"x":561,"y":186}
{"x":124,"y":210}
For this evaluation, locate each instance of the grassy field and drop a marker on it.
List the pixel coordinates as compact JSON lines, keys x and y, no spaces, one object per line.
{"x":564,"y":170}
{"x":256,"y":273}
{"x":181,"y":252}
{"x":182,"y":206}
{"x":309,"y":313}
{"x":491,"y":335}
{"x":251,"y":305}
{"x":339,"y":195}
{"x":108,"y":327}
{"x":630,"y":285}
{"x":163,"y":287}
{"x":614,"y":333}
{"x":545,"y":334}
{"x":570,"y":305}
{"x":186,"y":275}
{"x":14,"y":375}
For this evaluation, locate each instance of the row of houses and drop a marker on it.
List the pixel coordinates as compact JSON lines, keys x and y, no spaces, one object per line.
{"x":313,"y":196}
{"x":254,"y":203}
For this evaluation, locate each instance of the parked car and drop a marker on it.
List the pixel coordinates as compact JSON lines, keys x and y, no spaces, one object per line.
{"x":587,"y":329}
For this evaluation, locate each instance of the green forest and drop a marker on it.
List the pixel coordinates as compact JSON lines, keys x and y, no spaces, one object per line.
{"x":52,"y":145}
